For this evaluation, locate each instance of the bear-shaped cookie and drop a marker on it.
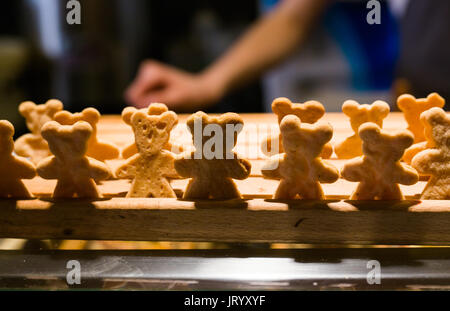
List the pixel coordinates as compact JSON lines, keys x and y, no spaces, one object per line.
{"x":360,"y":114}
{"x":379,"y":170}
{"x":213,"y":165}
{"x":13,"y":168}
{"x":153,"y":109}
{"x":96,"y":149}
{"x":301,"y":168}
{"x":435,"y":162}
{"x":412,"y":109}
{"x":32,"y":145}
{"x":151,"y":167}
{"x":69,"y":164}
{"x":308,"y":112}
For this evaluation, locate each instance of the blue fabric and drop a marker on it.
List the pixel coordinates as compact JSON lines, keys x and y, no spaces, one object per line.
{"x":371,"y":51}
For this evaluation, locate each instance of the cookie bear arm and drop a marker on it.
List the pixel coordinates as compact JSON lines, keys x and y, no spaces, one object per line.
{"x":406,"y":175}
{"x":271,"y":168}
{"x":185,"y":167}
{"x":425,"y":162}
{"x":128,"y":169}
{"x":48,"y":168}
{"x":98,"y":170}
{"x":326,"y":173}
{"x":239,"y":168}
{"x":169,"y":169}
{"x":353,"y":170}
{"x":23,"y":168}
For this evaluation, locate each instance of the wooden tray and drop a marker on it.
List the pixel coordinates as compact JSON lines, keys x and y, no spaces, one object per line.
{"x":257,"y":218}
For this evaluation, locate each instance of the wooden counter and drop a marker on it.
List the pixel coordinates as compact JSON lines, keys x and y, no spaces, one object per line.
{"x":257,"y":218}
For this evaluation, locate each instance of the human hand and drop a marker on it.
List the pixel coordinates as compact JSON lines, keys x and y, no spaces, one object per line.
{"x":179,"y":90}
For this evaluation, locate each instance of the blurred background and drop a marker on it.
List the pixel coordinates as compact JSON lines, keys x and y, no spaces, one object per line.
{"x":91,"y":64}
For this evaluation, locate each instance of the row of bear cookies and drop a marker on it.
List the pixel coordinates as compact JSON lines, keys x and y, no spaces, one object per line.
{"x":64,"y":146}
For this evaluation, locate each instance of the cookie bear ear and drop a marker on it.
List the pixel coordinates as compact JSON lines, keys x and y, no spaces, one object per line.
{"x":403,"y":140}
{"x":435,"y":116}
{"x":6,"y":129}
{"x":197,"y":117}
{"x":281,"y":105}
{"x":54,"y":106}
{"x":127,"y":113}
{"x":50,"y":129}
{"x":26,"y":108}
{"x":156,"y":109}
{"x":91,"y":115}
{"x":380,"y":109}
{"x":83,"y":130}
{"x":63,"y":117}
{"x":290,"y":123}
{"x":350,"y":108}
{"x":369,"y":132}
{"x":167,"y":121}
{"x":436,"y":100}
{"x":405,"y":101}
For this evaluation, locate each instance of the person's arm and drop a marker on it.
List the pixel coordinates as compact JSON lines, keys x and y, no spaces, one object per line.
{"x":264,"y":45}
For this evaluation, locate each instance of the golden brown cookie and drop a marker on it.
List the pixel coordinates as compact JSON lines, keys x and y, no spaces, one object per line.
{"x":151,"y":167}
{"x":435,"y":162}
{"x":360,"y":114}
{"x":12,"y":168}
{"x":213,"y":165}
{"x":379,"y":170}
{"x":412,"y":108}
{"x":74,"y":171}
{"x":96,"y":149}
{"x":300,"y":168}
{"x":154,"y":109}
{"x":308,"y":112}
{"x":32,"y":145}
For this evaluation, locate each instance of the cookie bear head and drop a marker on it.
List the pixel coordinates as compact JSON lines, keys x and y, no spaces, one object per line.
{"x":307,"y":139}
{"x":6,"y":138}
{"x":37,"y":115}
{"x":437,"y":127}
{"x":89,"y":115}
{"x":381,"y":146}
{"x":360,"y":114}
{"x":67,"y":142}
{"x":154,"y":109}
{"x":204,"y":128}
{"x":152,"y":132}
{"x":309,"y":112}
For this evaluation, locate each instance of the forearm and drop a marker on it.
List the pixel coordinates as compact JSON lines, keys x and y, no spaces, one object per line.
{"x":267,"y":43}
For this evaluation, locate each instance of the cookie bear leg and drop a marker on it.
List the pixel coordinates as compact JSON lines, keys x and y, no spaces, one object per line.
{"x":19,"y":191}
{"x":312,"y":191}
{"x":226,"y":190}
{"x":196,"y":190}
{"x":139,"y":189}
{"x":437,"y":189}
{"x":391,"y":192}
{"x":87,"y":189}
{"x":64,"y":190}
{"x":162,"y":189}
{"x":286,"y":191}
{"x":364,"y":192}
